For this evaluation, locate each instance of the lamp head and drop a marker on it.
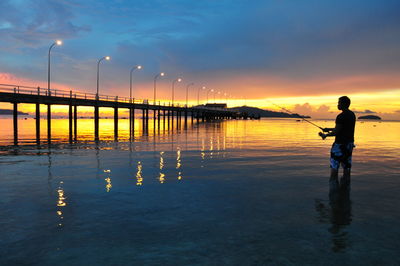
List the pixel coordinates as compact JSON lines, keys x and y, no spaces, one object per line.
{"x":59,"y":42}
{"x":162,"y":74}
{"x":179,"y":79}
{"x":203,"y":88}
{"x":139,"y":67}
{"x":107,"y":58}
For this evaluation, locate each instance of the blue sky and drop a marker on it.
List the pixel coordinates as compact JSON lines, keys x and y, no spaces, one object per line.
{"x":271,"y":48}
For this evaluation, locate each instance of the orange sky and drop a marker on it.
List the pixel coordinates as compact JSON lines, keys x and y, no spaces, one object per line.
{"x":317,"y":98}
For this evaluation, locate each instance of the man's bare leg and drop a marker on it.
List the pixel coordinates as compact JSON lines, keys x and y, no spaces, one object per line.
{"x":345,"y":180}
{"x":333,"y":181}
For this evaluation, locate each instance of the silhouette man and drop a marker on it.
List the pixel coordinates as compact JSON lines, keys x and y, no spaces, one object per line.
{"x":342,"y":148}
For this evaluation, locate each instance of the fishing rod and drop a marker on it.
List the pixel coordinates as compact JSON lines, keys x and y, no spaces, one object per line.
{"x":287,"y":111}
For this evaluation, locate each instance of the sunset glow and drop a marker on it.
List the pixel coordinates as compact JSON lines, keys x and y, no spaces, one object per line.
{"x":253,"y":53}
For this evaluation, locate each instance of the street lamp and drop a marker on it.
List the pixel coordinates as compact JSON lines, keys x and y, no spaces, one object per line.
{"x":187,"y":92}
{"x":210,"y":90}
{"x":173,"y":86}
{"x":130,"y":81}
{"x":98,"y":74}
{"x":58,"y":42}
{"x":198,"y":94}
{"x":155,"y":81}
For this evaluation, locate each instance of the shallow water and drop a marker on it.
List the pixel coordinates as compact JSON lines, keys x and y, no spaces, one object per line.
{"x":232,"y":192}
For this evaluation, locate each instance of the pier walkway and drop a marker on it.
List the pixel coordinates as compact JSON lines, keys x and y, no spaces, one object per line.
{"x":15,"y":95}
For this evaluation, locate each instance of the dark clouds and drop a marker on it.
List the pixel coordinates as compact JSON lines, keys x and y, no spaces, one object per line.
{"x":213,"y":41}
{"x":33,"y":23}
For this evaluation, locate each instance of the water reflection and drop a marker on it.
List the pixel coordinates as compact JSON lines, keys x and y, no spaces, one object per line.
{"x":61,"y":203}
{"x":275,"y":166}
{"x":108,"y":180}
{"x":139,"y":178}
{"x":178,"y":163}
{"x":161,"y":177}
{"x":339,"y":215}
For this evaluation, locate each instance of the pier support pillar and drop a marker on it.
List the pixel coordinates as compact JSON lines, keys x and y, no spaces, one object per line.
{"x":48,"y":123}
{"x":143,"y":118}
{"x":70,"y":122}
{"x":37,"y":123}
{"x":159,"y":117}
{"x":131,"y":122}
{"x":15,"y":123}
{"x":172,"y":118}
{"x":164,"y":119}
{"x":169,"y":114}
{"x":186,"y":116}
{"x":154,"y":119}
{"x":75,"y":122}
{"x":147,"y":118}
{"x":115,"y":123}
{"x":96,"y":122}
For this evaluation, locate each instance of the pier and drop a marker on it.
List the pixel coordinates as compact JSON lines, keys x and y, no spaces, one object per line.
{"x":15,"y":95}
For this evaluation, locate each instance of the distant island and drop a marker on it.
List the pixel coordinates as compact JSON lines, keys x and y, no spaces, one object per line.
{"x":257,"y":112}
{"x":10,"y":112}
{"x":372,"y":117}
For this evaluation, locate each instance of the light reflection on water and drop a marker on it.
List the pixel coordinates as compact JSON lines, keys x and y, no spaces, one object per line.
{"x":234,"y":192}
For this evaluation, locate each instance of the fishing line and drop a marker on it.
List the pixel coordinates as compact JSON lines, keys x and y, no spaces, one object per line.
{"x":300,"y":116}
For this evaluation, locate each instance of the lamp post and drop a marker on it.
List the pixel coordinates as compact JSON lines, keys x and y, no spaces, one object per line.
{"x":198,"y":94}
{"x":210,"y":90}
{"x":98,"y":74}
{"x":130,"y":81}
{"x":155,"y":83}
{"x":173,"y":88}
{"x":187,"y":92}
{"x":58,"y":42}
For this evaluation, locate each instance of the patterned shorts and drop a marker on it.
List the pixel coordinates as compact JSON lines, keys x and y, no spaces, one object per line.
{"x":341,"y":155}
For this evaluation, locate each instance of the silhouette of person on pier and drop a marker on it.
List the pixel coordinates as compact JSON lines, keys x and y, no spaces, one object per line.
{"x":342,"y":148}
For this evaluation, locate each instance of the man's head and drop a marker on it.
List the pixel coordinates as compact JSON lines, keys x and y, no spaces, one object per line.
{"x":344,"y":103}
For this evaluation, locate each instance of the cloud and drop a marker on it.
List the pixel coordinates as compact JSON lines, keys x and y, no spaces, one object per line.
{"x":268,"y":48}
{"x":321,"y":111}
{"x":32,"y":23}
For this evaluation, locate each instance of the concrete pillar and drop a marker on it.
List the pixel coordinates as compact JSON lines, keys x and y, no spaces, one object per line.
{"x":15,"y":123}
{"x":96,"y":122}
{"x":115,"y":123}
{"x":186,"y":116}
{"x":37,"y":123}
{"x":70,"y":122}
{"x":48,"y":123}
{"x":143,"y":118}
{"x":159,"y":117}
{"x":75,"y":122}
{"x":131,"y":122}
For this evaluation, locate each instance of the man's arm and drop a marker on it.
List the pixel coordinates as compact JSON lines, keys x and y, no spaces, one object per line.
{"x":331,"y":131}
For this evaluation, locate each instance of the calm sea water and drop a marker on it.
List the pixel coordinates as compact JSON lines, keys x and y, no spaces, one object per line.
{"x":220,"y":193}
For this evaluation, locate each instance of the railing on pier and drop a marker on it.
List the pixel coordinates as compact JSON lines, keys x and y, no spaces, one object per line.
{"x":18,"y":89}
{"x":28,"y":90}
